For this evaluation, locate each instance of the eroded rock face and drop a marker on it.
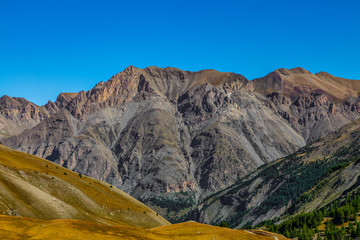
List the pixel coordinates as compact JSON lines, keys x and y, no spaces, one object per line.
{"x":304,"y":181}
{"x":18,"y":114}
{"x":159,"y":131}
{"x":313,"y":104}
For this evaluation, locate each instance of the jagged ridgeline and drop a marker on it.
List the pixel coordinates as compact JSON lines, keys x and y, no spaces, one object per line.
{"x":171,"y":137}
{"x":305,"y":181}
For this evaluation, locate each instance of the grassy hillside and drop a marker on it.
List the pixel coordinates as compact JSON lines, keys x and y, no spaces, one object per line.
{"x":26,"y":228}
{"x":37,"y":188}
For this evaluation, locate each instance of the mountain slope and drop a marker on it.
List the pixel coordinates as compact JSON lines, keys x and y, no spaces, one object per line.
{"x":37,"y":188}
{"x":166,"y":135}
{"x":306,"y":180}
{"x":313,"y":104}
{"x":20,"y":228}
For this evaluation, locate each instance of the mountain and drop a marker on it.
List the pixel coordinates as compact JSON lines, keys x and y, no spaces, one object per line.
{"x":37,"y":188}
{"x":307,"y":180}
{"x":170,"y":137}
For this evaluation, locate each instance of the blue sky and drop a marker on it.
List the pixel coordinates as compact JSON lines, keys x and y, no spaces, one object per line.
{"x":48,"y":47}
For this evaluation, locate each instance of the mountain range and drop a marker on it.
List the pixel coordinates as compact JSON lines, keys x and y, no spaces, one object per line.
{"x":174,"y":138}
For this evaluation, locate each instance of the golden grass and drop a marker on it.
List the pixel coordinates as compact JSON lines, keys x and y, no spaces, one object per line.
{"x":27,"y":228}
{"x":194,"y":230}
{"x":37,"y":188}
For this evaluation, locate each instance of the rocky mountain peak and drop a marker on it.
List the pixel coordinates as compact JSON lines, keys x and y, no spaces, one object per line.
{"x":293,"y":82}
{"x":14,"y":101}
{"x":130,"y":68}
{"x":18,"y":114}
{"x":136,"y":84}
{"x":297,"y":70}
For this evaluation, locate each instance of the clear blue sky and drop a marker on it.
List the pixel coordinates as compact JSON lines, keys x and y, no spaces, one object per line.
{"x":48,"y":47}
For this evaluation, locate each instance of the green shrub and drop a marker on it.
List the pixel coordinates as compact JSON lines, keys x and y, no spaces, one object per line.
{"x":223,"y":224}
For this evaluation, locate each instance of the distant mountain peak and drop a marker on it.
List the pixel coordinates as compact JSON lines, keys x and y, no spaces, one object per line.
{"x":296,"y":70}
{"x":292,"y":82}
{"x":130,"y":68}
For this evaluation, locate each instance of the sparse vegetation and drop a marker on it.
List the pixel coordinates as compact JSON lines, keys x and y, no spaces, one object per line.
{"x":223,"y":224}
{"x":175,"y":204}
{"x":339,"y":218}
{"x":297,"y":181}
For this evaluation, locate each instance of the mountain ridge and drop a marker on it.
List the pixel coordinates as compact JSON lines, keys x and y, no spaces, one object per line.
{"x":286,"y":81}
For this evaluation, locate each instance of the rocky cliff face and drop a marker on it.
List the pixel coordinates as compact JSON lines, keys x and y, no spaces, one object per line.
{"x":18,"y":114}
{"x":159,"y":132}
{"x":313,"y":104}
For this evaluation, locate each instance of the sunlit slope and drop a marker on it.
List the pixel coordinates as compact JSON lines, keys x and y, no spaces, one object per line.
{"x":26,"y":228}
{"x":36,"y":188}
{"x":194,"y":230}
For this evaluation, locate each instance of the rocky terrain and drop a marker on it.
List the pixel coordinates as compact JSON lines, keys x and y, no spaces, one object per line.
{"x":307,"y":180}
{"x":165,"y":134}
{"x":313,"y":104}
{"x":18,"y":114}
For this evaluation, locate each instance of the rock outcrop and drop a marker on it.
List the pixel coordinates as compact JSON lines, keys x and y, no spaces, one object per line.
{"x":18,"y":114}
{"x":313,"y":104}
